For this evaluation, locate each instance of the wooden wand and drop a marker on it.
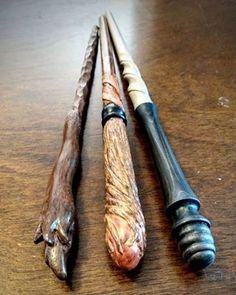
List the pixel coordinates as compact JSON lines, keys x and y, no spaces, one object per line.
{"x":191,"y":229}
{"x":124,"y":222}
{"x":57,"y":220}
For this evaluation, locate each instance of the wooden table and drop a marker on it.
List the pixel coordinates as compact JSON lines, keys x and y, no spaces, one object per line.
{"x":186,"y":51}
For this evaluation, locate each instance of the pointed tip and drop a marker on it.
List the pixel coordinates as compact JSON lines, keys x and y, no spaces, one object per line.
{"x":102,"y":18}
{"x":62,"y":276}
{"x":59,"y":270}
{"x":56,"y":258}
{"x":108,"y":12}
{"x":109,"y":15}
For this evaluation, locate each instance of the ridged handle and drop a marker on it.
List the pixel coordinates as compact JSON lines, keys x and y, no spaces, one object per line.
{"x":191,"y":230}
{"x":137,"y":88}
{"x":193,"y":235}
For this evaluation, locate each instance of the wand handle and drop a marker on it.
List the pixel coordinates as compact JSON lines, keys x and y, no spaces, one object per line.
{"x":124,"y":222}
{"x":191,"y":230}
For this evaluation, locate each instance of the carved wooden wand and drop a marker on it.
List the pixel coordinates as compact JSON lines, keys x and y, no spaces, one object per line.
{"x":124,"y":222}
{"x":56,"y":224}
{"x":191,"y":229}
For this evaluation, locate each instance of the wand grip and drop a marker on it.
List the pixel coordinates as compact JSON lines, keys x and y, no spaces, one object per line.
{"x":124,"y":222}
{"x":191,"y":230}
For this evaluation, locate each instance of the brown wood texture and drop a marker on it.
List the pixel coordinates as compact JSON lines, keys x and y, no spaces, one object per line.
{"x":57,"y":219}
{"x":124,"y":221}
{"x":186,"y":51}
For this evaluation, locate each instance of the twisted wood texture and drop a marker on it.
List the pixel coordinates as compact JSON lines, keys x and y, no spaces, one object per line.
{"x":124,"y":222}
{"x":110,"y":90}
{"x":56,"y":223}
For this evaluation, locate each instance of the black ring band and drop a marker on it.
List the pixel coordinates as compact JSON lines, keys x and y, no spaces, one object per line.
{"x":112,"y":110}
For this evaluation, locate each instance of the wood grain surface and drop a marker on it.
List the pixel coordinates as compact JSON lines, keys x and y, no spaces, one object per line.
{"x":186,"y":51}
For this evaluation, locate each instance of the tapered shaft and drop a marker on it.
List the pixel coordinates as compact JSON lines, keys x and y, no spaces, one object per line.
{"x":124,"y":222}
{"x":191,"y":229}
{"x":57,"y":220}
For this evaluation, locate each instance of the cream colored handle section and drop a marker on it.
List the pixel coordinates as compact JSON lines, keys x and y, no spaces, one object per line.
{"x":137,"y":88}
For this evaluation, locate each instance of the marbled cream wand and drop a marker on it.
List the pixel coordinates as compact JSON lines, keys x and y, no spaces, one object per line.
{"x":124,"y":222}
{"x":191,"y":229}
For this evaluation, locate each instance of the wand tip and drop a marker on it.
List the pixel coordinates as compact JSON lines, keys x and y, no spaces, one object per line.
{"x":56,"y":258}
{"x":108,"y":12}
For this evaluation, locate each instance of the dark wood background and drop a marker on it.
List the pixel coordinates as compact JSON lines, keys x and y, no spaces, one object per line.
{"x":186,"y":51}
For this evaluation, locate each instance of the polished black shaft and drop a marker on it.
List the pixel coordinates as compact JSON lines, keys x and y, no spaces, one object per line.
{"x":191,"y":229}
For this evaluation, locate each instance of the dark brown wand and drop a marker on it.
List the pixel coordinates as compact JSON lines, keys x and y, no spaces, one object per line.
{"x":124,"y":222}
{"x":57,"y":220}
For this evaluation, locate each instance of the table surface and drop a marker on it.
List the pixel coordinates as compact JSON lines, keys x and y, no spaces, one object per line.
{"x":186,"y":51}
